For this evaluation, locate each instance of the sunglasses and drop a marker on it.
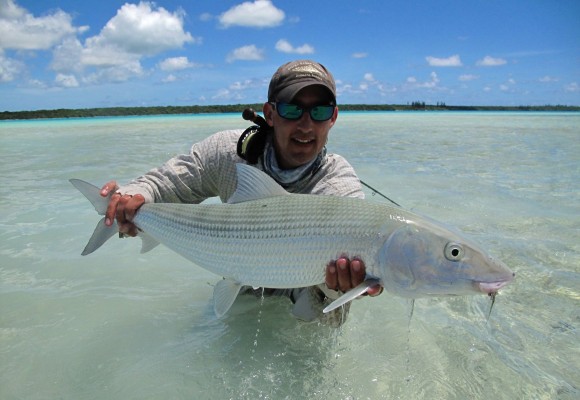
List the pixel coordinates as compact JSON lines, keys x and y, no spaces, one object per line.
{"x":293,"y":112}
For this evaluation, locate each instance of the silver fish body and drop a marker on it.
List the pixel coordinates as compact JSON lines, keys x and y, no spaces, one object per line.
{"x":276,"y":242}
{"x":265,"y":237}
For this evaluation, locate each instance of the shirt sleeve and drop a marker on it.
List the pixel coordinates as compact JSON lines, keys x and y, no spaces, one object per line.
{"x":207,"y":171}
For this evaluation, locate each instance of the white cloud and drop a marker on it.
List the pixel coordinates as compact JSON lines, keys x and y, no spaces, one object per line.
{"x":9,"y":10}
{"x":360,"y":55}
{"x":284,"y":46}
{"x":489,"y":61}
{"x":257,"y":14}
{"x":10,"y":68}
{"x":572,"y":87}
{"x":453,"y":61}
{"x":139,"y":29}
{"x":116,"y":73}
{"x":248,"y":83}
{"x":169,"y":78}
{"x":20,"y":30}
{"x":548,"y":79}
{"x":246,"y":53}
{"x":205,"y":17}
{"x":66,"y":57}
{"x":227,"y":95}
{"x":369,"y":77}
{"x":468,"y":77}
{"x":414,"y":83}
{"x":176,"y":64}
{"x":68,"y":81}
{"x":136,"y":31}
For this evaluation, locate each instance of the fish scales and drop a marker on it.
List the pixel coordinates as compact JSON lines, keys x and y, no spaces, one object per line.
{"x":267,"y":237}
{"x":279,"y":242}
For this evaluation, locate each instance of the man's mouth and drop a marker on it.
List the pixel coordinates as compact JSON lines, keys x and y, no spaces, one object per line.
{"x":303,"y":141}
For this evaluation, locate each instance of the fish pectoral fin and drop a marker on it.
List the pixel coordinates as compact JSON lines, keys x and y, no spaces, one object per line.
{"x":352,"y":294}
{"x":101,"y":234}
{"x":148,"y":243}
{"x":224,"y":295}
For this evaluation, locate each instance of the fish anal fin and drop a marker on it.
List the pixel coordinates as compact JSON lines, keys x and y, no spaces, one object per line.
{"x":303,"y":308}
{"x":148,"y":242}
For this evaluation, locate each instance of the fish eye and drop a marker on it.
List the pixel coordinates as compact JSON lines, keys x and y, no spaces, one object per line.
{"x":453,"y":251}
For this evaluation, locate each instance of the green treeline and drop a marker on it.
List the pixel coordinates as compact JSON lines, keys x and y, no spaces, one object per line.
{"x":238,"y":108}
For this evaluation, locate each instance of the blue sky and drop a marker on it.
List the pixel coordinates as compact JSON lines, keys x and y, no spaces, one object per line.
{"x":80,"y":54}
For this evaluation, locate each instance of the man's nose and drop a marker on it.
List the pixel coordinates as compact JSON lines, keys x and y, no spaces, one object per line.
{"x":305,"y":119}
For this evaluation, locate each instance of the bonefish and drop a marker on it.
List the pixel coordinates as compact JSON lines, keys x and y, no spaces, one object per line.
{"x":266,"y":237}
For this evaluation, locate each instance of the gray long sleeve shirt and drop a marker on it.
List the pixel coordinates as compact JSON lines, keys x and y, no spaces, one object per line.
{"x":209,"y":170}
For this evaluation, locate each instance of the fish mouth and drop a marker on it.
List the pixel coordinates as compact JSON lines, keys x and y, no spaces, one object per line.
{"x":493,"y":287}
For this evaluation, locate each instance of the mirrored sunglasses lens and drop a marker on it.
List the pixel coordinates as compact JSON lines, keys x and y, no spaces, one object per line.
{"x":322,"y":113}
{"x":289,"y":111}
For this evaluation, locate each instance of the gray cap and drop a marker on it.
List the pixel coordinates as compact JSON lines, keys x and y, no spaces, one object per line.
{"x":291,"y":77}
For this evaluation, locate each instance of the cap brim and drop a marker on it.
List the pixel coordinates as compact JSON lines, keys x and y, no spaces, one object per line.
{"x":287,"y":94}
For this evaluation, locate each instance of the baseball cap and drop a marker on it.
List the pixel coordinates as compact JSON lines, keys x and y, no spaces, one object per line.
{"x":291,"y":77}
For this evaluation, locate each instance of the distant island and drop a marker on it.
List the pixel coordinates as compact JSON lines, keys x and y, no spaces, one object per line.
{"x":238,"y":108}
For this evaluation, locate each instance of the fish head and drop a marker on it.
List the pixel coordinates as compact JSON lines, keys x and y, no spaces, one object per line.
{"x":423,"y":259}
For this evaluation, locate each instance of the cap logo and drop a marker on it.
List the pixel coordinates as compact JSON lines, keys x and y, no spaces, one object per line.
{"x":307,"y":70}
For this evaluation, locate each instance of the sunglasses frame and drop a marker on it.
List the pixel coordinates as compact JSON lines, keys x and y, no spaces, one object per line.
{"x":303,"y":110}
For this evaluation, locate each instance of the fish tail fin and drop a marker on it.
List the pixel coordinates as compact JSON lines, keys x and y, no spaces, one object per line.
{"x":102,"y":232}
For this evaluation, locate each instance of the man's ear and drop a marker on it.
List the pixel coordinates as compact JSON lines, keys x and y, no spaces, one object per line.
{"x":268,"y":111}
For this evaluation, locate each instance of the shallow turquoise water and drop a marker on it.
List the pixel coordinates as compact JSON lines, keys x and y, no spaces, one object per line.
{"x":122,"y":325}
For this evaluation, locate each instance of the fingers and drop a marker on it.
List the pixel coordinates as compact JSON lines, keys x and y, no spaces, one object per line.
{"x":344,"y":275}
{"x":109,"y":187}
{"x":357,"y":272}
{"x":374,"y":291}
{"x":331,"y":276}
{"x":111,"y":208}
{"x":133,"y":205}
{"x":122,"y":208}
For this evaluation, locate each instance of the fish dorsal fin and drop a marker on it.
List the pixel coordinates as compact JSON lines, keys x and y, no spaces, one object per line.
{"x":254,"y":184}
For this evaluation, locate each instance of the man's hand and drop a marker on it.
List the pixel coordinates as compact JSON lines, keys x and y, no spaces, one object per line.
{"x":121,"y":207}
{"x":344,"y":275}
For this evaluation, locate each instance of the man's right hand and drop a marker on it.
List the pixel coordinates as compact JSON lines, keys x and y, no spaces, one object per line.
{"x":121,"y":207}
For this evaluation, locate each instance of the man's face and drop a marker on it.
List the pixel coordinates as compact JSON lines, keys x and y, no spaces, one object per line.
{"x":299,"y":142}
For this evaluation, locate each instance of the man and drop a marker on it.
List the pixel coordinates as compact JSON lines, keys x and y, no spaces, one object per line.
{"x":301,"y":110}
